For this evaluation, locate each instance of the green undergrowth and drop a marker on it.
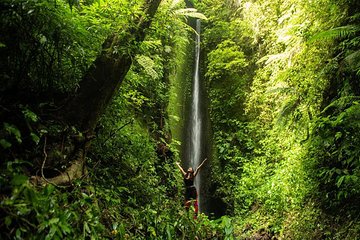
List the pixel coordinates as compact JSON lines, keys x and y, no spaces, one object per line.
{"x":130,"y":191}
{"x":99,"y":211}
{"x":131,"y":188}
{"x":286,"y":142}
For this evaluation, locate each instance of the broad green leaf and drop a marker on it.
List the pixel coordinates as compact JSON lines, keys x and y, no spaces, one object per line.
{"x":5,"y":144}
{"x":29,"y":115}
{"x":19,"y":180}
{"x":35,"y":138}
{"x":190,"y":12}
{"x":13,"y":130}
{"x":8,"y":221}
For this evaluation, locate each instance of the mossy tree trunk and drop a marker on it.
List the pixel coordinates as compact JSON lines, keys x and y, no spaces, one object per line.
{"x":96,"y":90}
{"x":104,"y":77}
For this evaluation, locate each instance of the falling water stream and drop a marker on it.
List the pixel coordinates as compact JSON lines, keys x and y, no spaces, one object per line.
{"x":195,"y":115}
{"x":197,"y":138}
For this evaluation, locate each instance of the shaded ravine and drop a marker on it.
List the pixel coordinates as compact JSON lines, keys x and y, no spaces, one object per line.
{"x":197,"y":132}
{"x":196,"y":135}
{"x":195,"y":115}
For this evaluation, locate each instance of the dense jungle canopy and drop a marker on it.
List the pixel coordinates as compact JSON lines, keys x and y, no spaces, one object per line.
{"x":93,"y":100}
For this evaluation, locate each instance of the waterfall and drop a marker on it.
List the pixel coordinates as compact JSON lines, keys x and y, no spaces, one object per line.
{"x":195,"y":115}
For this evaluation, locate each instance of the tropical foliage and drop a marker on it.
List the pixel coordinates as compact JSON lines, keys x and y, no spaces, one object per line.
{"x":282,"y":81}
{"x":285,"y":139}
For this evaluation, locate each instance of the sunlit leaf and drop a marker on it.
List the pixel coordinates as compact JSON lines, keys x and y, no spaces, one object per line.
{"x":190,"y":12}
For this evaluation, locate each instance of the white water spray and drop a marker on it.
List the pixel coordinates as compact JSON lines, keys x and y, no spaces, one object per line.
{"x":195,"y":150}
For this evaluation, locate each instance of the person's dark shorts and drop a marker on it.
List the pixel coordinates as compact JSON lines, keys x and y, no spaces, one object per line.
{"x":190,"y":193}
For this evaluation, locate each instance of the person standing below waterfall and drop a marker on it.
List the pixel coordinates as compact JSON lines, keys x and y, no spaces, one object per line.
{"x":190,"y":189}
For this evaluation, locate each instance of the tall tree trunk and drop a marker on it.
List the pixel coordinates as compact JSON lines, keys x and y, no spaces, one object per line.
{"x":97,"y":88}
{"x":104,"y":77}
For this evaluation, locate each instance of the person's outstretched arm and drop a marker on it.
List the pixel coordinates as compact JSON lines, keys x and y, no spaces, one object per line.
{"x":199,"y":167}
{"x":181,"y":169}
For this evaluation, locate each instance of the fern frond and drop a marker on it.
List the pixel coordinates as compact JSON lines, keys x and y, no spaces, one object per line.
{"x":340,"y":103}
{"x":150,"y":45}
{"x":355,"y":17}
{"x":288,"y":107}
{"x":335,"y":33}
{"x":353,"y":60}
{"x":148,"y":65}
